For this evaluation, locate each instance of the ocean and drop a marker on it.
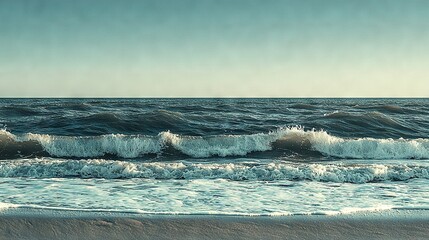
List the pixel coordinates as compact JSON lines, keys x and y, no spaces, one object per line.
{"x":258,"y":157}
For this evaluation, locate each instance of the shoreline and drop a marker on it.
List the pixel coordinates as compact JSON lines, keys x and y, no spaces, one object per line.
{"x":56,"y":224}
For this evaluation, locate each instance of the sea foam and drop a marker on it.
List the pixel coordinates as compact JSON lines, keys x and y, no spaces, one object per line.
{"x":115,"y":144}
{"x":292,"y":138}
{"x":110,"y":169}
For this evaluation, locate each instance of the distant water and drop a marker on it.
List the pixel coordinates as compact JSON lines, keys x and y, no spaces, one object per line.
{"x":215,"y":156}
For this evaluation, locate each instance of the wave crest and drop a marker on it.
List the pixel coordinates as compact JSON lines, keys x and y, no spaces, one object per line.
{"x":292,"y":139}
{"x":115,"y":144}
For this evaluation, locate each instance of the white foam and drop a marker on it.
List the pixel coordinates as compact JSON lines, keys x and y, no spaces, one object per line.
{"x":369,"y":148}
{"x":99,"y":168}
{"x":116,"y":144}
{"x":7,"y":134}
{"x":133,"y":146}
{"x":350,"y":210}
{"x":225,"y":145}
{"x":4,"y":206}
{"x":67,"y":211}
{"x":360,"y":148}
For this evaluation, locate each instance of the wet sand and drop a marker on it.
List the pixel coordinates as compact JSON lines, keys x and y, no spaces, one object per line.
{"x":58,"y":224}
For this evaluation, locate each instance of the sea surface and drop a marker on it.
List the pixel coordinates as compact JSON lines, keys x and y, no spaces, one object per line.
{"x":215,"y":156}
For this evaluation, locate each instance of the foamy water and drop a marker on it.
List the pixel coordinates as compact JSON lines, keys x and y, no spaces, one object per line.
{"x":135,"y":146}
{"x":219,"y":156}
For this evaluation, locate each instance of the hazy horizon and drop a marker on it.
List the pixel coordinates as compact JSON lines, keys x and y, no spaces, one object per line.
{"x":190,"y":48}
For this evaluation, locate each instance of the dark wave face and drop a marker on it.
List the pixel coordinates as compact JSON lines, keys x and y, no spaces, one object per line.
{"x":292,"y":129}
{"x":286,"y":143}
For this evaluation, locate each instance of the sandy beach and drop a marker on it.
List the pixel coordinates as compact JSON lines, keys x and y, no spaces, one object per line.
{"x":54,"y":224}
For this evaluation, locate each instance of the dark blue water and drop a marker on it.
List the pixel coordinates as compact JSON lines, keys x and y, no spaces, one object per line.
{"x":178,"y":128}
{"x":378,"y":118}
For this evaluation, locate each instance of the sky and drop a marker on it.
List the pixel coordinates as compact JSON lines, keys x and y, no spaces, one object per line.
{"x":214,"y":48}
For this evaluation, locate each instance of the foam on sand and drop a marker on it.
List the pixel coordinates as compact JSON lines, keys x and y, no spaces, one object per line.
{"x":49,"y":224}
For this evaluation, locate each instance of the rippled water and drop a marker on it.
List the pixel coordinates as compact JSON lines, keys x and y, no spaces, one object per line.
{"x":215,"y":156}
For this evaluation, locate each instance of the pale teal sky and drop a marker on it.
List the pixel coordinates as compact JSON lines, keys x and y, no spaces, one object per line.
{"x":202,"y":48}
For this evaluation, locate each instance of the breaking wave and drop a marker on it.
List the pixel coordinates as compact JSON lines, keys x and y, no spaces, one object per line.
{"x":292,"y":139}
{"x":110,"y":169}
